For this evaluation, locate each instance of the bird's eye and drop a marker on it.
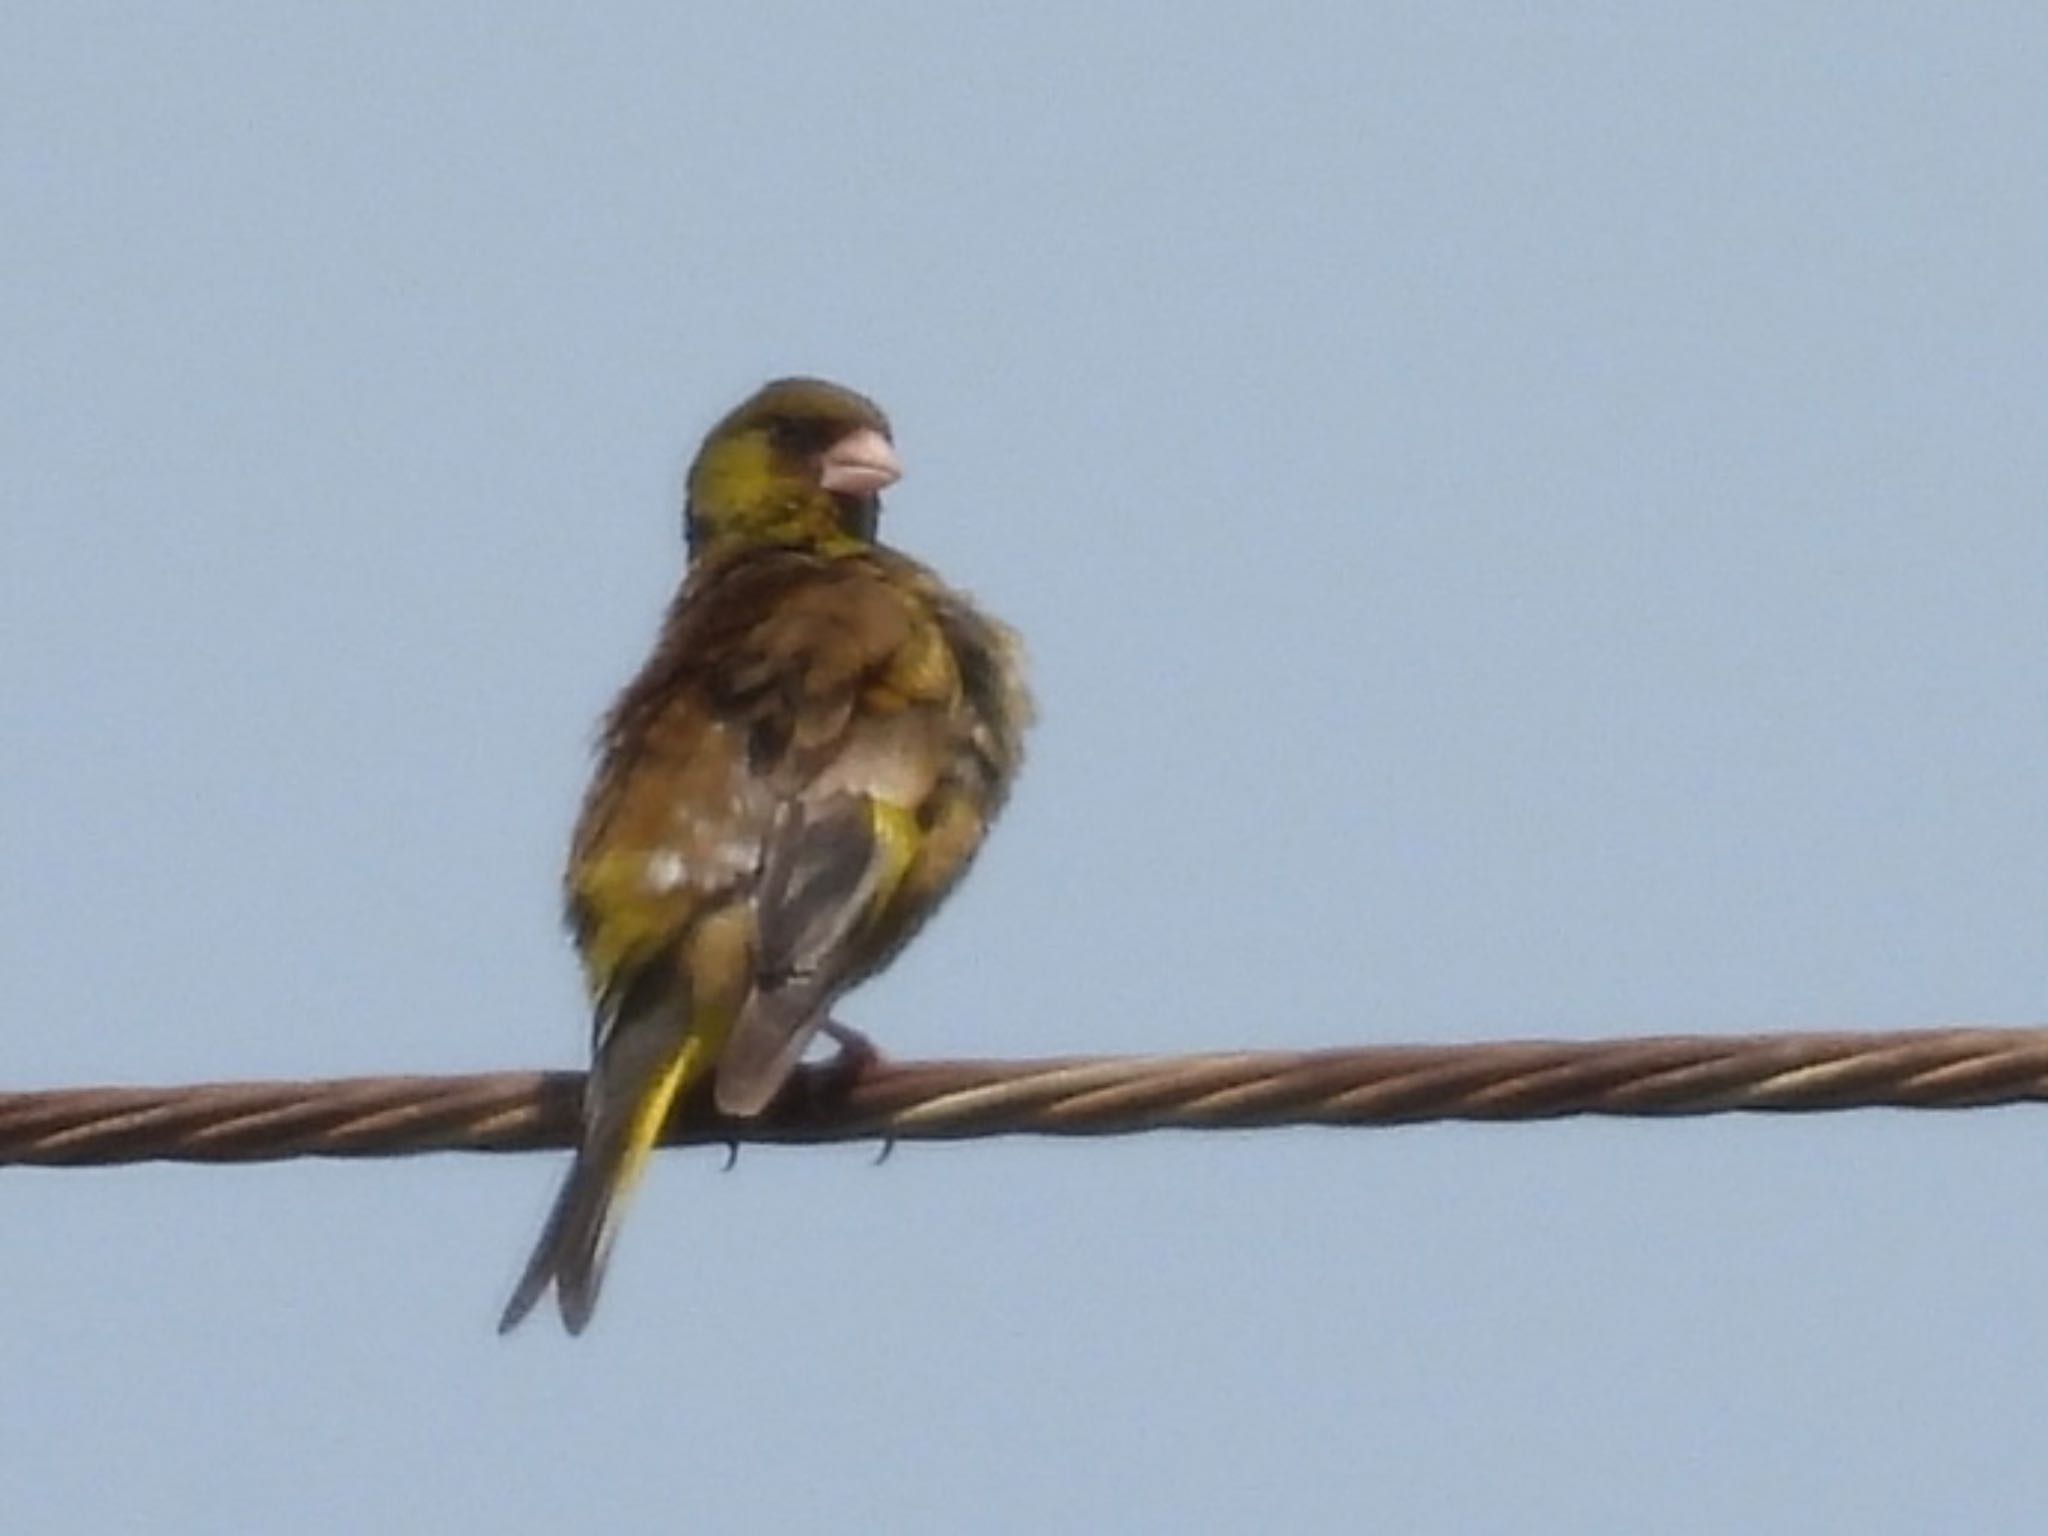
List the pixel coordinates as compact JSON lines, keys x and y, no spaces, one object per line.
{"x":799,"y":435}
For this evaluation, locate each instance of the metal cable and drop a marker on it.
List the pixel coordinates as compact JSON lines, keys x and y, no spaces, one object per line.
{"x":1075,"y":1096}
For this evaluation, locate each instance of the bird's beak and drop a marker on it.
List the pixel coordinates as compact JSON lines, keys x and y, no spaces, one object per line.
{"x":859,"y":464}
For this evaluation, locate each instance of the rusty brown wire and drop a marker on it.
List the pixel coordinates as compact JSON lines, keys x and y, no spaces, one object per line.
{"x":1074,"y":1096}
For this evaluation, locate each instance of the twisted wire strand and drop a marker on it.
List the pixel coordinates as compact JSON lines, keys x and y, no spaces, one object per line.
{"x":1072,"y":1096}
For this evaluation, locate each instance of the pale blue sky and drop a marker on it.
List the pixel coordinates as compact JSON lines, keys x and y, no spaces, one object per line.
{"x":1530,"y":520}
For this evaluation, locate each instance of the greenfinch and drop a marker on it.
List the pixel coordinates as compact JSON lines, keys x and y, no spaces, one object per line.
{"x":802,"y":770}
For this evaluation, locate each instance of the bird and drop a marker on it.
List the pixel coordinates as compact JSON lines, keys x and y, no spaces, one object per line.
{"x":797,"y":777}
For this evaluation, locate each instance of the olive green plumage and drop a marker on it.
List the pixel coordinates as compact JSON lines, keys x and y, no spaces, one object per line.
{"x":800,"y":773}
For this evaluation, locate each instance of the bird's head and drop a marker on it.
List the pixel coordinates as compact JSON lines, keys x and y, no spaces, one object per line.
{"x":800,"y":461}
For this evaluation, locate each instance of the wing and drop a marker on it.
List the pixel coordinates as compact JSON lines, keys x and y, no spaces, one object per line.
{"x":832,"y":870}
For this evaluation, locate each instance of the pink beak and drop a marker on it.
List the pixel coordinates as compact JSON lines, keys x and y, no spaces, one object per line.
{"x":859,"y":464}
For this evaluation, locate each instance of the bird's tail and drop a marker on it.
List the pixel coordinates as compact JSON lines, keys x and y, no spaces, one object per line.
{"x":633,"y":1087}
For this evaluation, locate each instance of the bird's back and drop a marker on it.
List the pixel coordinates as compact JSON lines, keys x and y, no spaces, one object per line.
{"x":784,"y":680}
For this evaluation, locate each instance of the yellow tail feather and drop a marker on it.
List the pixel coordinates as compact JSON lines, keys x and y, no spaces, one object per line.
{"x":645,"y":1128}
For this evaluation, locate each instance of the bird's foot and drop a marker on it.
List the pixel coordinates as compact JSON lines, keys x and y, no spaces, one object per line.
{"x":827,"y":1083}
{"x":856,"y":1054}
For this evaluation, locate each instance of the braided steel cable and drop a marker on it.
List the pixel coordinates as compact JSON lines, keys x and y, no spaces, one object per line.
{"x":1073,"y":1096}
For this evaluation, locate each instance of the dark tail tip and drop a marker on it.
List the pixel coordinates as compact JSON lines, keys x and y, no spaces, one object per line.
{"x":570,"y":1254}
{"x":577,"y":1301}
{"x":540,"y":1270}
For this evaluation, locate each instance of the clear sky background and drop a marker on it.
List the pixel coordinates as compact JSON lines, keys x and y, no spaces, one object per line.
{"x":1530,"y":521}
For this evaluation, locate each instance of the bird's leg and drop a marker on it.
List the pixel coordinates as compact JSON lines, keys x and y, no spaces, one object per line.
{"x":855,"y":1055}
{"x":827,"y":1083}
